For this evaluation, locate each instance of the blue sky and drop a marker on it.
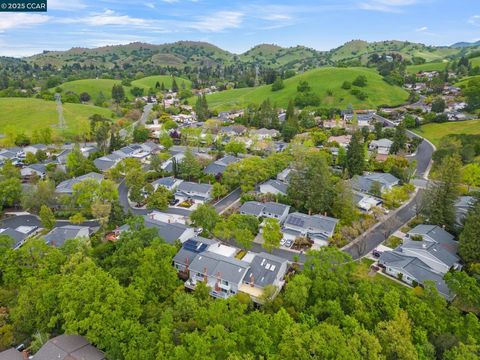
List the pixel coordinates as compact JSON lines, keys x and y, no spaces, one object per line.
{"x":237,"y":25}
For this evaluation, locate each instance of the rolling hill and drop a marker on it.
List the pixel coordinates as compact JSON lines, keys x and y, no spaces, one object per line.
{"x":359,"y":49}
{"x":150,"y":82}
{"x":94,"y":86}
{"x":433,"y":66}
{"x":321,"y":80}
{"x":27,"y":115}
{"x":191,"y":53}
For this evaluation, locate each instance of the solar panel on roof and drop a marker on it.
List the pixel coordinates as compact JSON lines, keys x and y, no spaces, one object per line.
{"x":296,"y":221}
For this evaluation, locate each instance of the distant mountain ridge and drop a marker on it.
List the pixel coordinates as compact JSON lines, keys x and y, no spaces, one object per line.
{"x":460,"y":45}
{"x":194,"y":53}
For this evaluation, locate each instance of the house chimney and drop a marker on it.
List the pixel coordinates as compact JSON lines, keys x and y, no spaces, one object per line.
{"x":25,"y":354}
{"x":205,"y":277}
{"x":252,"y":280}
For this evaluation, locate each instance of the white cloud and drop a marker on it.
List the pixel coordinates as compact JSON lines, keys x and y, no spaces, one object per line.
{"x":385,"y":5}
{"x":421,"y":29}
{"x":218,"y":21}
{"x":66,"y":5}
{"x":10,"y":21}
{"x":474,"y":20}
{"x":108,"y":17}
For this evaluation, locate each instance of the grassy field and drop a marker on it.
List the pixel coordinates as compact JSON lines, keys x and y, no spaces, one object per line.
{"x":26,"y":115}
{"x":475,"y":61}
{"x":94,"y":86}
{"x":465,"y":80}
{"x":150,"y":81}
{"x":434,"y":66}
{"x":321,"y":81}
{"x":436,"y":131}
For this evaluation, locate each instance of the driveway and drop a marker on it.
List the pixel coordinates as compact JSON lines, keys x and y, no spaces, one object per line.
{"x":228,"y":200}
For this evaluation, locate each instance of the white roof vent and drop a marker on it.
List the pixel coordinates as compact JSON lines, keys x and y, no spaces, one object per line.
{"x":272,"y":268}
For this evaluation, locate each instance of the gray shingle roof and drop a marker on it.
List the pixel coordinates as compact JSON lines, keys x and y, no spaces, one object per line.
{"x":278,"y":185}
{"x":67,"y":185}
{"x":168,"y":182}
{"x":59,"y":235}
{"x":254,"y":208}
{"x":315,"y":224}
{"x":168,"y":232}
{"x":264,"y":269}
{"x":68,"y":347}
{"x":364,"y":183}
{"x":434,"y":232}
{"x":188,"y":187}
{"x":275,"y":208}
{"x":229,"y":269}
{"x":11,"y":354}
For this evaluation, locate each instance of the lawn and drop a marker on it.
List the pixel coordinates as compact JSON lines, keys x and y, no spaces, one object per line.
{"x":465,"y":80}
{"x":27,"y":114}
{"x":322,"y":81}
{"x":361,"y":272}
{"x":436,"y":131}
{"x":433,"y":66}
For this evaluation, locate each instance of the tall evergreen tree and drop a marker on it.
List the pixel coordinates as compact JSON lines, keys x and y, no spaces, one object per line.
{"x":469,"y":247}
{"x":356,"y":155}
{"x":399,"y":139}
{"x":174,"y":85}
{"x":443,"y":192}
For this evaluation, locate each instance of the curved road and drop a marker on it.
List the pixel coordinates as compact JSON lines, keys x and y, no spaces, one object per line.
{"x":370,"y":240}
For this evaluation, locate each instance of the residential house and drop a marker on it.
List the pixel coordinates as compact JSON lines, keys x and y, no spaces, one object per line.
{"x":342,"y":140}
{"x":285,"y":175}
{"x":192,"y":191}
{"x":68,"y":347}
{"x":34,"y":148}
{"x":169,"y":182}
{"x":224,"y":275}
{"x":364,"y":183}
{"x":265,"y":269}
{"x":381,"y":146}
{"x":189,"y":250}
{"x":217,"y":168}
{"x":19,"y":234}
{"x":274,"y":187}
{"x":365,"y":202}
{"x":462,"y":207}
{"x":66,"y":187}
{"x":33,"y":170}
{"x":59,"y":235}
{"x":6,"y":155}
{"x":264,"y":134}
{"x":168,"y":166}
{"x":269,"y":209}
{"x":169,"y":232}
{"x":428,"y":252}
{"x":107,"y":162}
{"x":233,"y":130}
{"x":318,"y":228}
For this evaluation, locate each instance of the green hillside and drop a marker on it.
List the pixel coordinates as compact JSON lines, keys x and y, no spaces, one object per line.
{"x":150,"y":81}
{"x":321,"y":80}
{"x":475,"y":61}
{"x":26,"y":115}
{"x":359,"y":49}
{"x":465,"y":80}
{"x":436,"y":131}
{"x":92,"y":86}
{"x":433,"y":66}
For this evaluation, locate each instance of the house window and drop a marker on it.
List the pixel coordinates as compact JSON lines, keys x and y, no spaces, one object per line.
{"x":224,"y":282}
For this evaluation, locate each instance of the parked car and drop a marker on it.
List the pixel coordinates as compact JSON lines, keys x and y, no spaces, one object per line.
{"x":288,"y":243}
{"x":376,"y":253}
